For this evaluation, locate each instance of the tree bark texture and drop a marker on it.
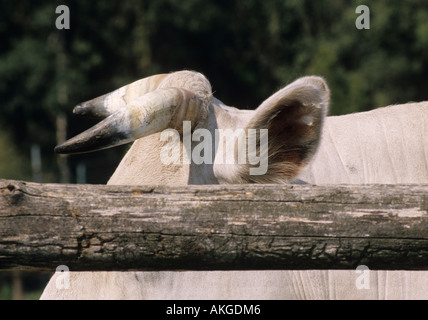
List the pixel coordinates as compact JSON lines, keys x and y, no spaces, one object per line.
{"x":212,"y":227}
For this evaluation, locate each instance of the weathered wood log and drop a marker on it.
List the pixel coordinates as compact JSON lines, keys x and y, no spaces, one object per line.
{"x":216,"y":227}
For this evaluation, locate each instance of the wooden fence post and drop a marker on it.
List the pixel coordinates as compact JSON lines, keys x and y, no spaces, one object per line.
{"x":215,"y":227}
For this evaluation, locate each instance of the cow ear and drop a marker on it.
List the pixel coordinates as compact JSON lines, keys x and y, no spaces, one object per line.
{"x":293,"y":118}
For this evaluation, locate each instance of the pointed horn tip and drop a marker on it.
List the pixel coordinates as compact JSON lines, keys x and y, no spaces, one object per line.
{"x":80,"y":110}
{"x":91,"y":111}
{"x":60,"y":149}
{"x":68,"y":147}
{"x":77,"y":109}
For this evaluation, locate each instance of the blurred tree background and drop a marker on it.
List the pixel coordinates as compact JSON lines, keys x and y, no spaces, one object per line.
{"x":247,"y":49}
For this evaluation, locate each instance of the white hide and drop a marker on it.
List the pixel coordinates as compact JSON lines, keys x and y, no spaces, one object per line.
{"x":241,"y":285}
{"x":388,"y":145}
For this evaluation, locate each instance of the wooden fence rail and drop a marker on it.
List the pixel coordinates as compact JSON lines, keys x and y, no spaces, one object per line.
{"x":216,"y":227}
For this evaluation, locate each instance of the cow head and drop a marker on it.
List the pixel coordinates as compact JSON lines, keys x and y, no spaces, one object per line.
{"x":283,"y":132}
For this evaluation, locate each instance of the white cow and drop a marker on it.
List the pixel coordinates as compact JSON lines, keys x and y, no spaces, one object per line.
{"x":388,"y":145}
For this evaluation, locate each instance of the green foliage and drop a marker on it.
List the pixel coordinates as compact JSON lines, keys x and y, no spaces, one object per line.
{"x":30,"y":283}
{"x":247,"y":48}
{"x":12,"y":164}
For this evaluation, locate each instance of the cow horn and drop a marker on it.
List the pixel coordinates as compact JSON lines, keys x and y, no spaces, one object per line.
{"x":96,"y":108}
{"x":105,"y":105}
{"x":150,"y":113}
